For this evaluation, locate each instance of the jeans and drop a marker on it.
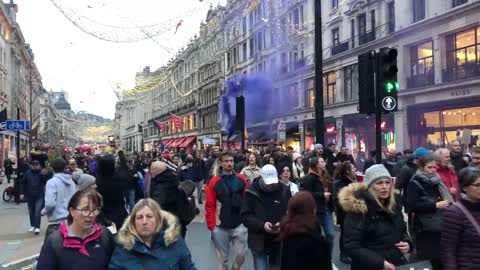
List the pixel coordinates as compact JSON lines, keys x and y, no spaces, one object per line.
{"x":199,"y":190}
{"x":131,"y":199}
{"x":222,"y":238}
{"x":328,"y":228}
{"x":261,"y":261}
{"x":35,"y":206}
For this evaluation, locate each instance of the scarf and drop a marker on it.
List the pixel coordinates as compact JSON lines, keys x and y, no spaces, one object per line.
{"x":436,"y":181}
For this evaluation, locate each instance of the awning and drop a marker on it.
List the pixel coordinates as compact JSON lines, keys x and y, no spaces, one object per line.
{"x":175,"y":142}
{"x":187,"y":141}
{"x":165,"y":142}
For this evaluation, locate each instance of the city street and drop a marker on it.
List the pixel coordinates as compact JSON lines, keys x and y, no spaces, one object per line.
{"x":18,"y":248}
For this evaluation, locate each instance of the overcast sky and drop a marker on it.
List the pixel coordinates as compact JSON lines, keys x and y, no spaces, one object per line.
{"x":71,"y":59}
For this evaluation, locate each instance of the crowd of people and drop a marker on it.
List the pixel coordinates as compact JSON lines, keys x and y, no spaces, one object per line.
{"x":132,"y":211}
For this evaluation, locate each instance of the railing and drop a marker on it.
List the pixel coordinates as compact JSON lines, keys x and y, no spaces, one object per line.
{"x":465,"y":71}
{"x":300,"y":63}
{"x":366,"y":37}
{"x":341,"y":47}
{"x":421,"y":80}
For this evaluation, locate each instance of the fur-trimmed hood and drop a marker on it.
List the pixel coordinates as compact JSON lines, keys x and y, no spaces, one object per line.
{"x":352,"y":198}
{"x":168,"y":234}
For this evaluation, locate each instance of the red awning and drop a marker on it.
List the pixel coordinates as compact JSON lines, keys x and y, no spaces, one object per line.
{"x":165,"y":142}
{"x":180,"y":142}
{"x":174,"y":142}
{"x":187,"y":141}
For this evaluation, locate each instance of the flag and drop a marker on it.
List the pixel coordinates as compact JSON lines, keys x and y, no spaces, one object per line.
{"x":178,"y":26}
{"x":160,"y":125}
{"x":177,"y":121}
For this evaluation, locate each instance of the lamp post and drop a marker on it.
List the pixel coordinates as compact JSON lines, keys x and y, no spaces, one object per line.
{"x":319,"y":113}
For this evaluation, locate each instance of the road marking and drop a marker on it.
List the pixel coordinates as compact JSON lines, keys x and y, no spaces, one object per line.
{"x":21,"y":260}
{"x":27,"y":267}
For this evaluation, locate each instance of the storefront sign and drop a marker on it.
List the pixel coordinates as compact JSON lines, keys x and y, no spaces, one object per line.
{"x":460,"y":92}
{"x":282,"y":127}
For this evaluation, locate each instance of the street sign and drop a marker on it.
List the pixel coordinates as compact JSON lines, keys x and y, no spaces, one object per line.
{"x":282,"y":127}
{"x":389,"y":103}
{"x":17,"y":125}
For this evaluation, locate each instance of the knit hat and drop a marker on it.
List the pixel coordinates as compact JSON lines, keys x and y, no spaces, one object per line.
{"x":374,"y":173}
{"x":420,"y":152}
{"x":85,"y":181}
{"x":76,"y":175}
{"x":318,"y":146}
{"x":295,"y":155}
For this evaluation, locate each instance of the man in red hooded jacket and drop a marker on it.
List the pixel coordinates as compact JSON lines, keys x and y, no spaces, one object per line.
{"x":447,"y":172}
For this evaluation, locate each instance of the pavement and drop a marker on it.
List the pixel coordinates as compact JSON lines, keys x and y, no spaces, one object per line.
{"x":18,"y":248}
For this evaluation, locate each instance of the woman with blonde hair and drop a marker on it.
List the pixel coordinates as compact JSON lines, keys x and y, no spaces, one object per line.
{"x":374,"y":231}
{"x":150,"y":239}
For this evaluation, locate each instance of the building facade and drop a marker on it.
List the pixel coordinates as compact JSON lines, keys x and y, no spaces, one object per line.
{"x":438,"y":44}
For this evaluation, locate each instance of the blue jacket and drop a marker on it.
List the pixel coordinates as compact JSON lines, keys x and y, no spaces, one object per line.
{"x":186,"y":173}
{"x":33,"y":184}
{"x":159,"y":257}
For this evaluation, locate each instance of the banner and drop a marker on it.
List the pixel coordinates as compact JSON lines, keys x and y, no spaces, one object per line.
{"x":177,"y":121}
{"x":160,"y":125}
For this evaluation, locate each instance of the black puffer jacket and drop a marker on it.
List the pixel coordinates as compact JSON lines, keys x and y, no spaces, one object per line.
{"x":340,"y":183}
{"x":112,"y":187}
{"x":311,"y":182}
{"x":370,"y":233}
{"x":164,"y":190}
{"x":255,"y":213}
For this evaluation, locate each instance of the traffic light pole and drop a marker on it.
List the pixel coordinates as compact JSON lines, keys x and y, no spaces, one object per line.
{"x":378,"y":110}
{"x":319,"y":113}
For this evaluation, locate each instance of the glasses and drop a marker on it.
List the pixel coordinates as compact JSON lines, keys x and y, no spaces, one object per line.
{"x":87,"y":212}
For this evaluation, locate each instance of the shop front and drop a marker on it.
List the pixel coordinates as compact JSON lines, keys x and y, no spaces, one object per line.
{"x":442,"y":122}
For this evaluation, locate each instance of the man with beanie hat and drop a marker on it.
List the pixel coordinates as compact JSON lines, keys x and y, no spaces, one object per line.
{"x":316,"y":152}
{"x":86,"y":181}
{"x":409,"y":169}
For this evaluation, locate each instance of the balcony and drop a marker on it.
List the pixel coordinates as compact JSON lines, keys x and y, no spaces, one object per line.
{"x":300,"y":63}
{"x":465,"y":71}
{"x":421,"y":80}
{"x":340,"y":47}
{"x":366,"y":37}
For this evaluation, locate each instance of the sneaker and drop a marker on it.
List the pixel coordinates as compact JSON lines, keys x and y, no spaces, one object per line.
{"x":37,"y":231}
{"x":31,"y":229}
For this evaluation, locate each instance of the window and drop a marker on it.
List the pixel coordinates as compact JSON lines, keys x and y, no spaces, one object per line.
{"x":421,"y":59}
{"x":272,"y":38}
{"x":244,"y":51}
{"x":351,"y":82}
{"x":293,"y":95}
{"x":352,"y":32}
{"x":310,"y":92}
{"x":458,"y":2}
{"x":391,"y":17}
{"x":373,"y":21}
{"x":235,"y":55}
{"x":463,"y":48}
{"x":244,"y":24}
{"x":252,"y":47}
{"x":260,"y":41}
{"x":335,"y":36}
{"x":418,"y":10}
{"x":228,"y":59}
{"x":334,"y":4}
{"x":362,"y":28}
{"x":329,"y":87}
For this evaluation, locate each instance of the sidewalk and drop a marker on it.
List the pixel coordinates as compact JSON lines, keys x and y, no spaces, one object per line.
{"x":16,"y":244}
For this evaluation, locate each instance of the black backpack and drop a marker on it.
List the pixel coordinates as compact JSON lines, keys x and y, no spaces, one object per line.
{"x":186,"y":206}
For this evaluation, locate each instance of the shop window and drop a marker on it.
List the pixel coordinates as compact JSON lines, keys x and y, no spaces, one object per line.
{"x":421,"y":65}
{"x":351,"y":82}
{"x":329,"y":88}
{"x":463,"y":56}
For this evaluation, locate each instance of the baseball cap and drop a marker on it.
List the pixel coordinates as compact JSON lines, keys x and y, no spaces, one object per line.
{"x":269,"y":174}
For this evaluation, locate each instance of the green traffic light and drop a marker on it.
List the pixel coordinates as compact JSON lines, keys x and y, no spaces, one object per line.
{"x":390,"y":86}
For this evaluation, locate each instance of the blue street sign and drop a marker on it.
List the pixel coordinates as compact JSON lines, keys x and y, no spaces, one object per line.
{"x":17,"y":125}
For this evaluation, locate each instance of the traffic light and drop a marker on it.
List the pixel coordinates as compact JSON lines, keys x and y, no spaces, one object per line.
{"x":240,"y":114}
{"x":366,"y":83}
{"x":387,"y":72}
